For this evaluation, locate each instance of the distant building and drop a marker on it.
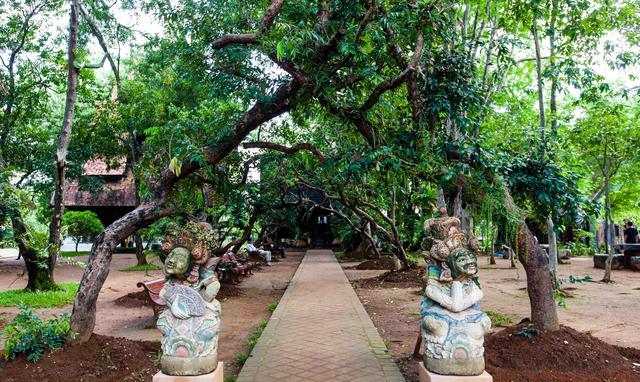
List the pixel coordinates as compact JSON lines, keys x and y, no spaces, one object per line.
{"x":116,"y":198}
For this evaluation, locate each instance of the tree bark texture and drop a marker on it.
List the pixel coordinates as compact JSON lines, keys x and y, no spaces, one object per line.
{"x":539,"y":286}
{"x":63,"y":141}
{"x":553,"y":251}
{"x":141,"y":257}
{"x":608,"y":235}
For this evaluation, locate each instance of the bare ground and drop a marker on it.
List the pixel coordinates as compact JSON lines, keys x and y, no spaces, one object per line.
{"x":242,"y":309}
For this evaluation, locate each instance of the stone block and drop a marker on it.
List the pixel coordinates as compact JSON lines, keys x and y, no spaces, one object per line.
{"x":634,"y":262}
{"x":215,"y":376}
{"x":616,"y":263}
{"x":427,"y":376}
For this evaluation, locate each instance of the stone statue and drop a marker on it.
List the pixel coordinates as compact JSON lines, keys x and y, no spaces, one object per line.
{"x":453,"y":326}
{"x":190,"y":324}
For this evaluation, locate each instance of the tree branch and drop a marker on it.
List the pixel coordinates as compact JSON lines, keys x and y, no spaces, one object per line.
{"x":251,"y":38}
{"x":103,"y":44}
{"x":288,"y":150}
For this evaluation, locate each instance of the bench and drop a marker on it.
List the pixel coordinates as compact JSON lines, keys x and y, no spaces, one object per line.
{"x":153,"y":288}
{"x":229,"y":266}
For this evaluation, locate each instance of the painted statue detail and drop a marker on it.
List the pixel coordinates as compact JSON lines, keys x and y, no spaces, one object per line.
{"x":191,"y":322}
{"x":452,"y":324}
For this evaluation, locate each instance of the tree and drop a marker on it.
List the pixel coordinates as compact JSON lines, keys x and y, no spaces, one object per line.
{"x":606,"y":139}
{"x":82,"y":225}
{"x":28,"y":53}
{"x":64,"y":138}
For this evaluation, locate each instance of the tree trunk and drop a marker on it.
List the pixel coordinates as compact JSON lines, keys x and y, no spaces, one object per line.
{"x":536,"y":265}
{"x":608,"y":235}
{"x":492,"y":258}
{"x":553,"y":252}
{"x":367,"y":247}
{"x":39,"y":278}
{"x":140,"y":255}
{"x":84,"y":306}
{"x":539,"y":286}
{"x":64,"y":140}
{"x":77,"y":242}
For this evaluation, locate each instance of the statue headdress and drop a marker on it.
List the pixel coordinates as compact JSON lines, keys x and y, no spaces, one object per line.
{"x":196,"y":237}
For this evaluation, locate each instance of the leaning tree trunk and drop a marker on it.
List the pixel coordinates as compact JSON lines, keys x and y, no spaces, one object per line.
{"x":84,"y":306}
{"x":539,"y":285}
{"x":63,"y":141}
{"x":83,"y":316}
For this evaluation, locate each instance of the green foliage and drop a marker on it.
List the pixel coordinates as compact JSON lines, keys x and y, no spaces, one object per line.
{"x":45,"y":299}
{"x":528,"y":332}
{"x":82,"y":225}
{"x":272,"y":307}
{"x":30,"y":335}
{"x":499,"y":319}
{"x":241,"y":358}
{"x":580,"y":249}
{"x":257,"y":332}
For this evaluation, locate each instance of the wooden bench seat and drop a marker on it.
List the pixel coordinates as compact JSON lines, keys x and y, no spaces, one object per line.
{"x":153,"y":288}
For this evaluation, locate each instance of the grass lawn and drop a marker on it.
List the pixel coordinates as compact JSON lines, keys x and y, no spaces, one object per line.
{"x":62,"y":297}
{"x":74,"y":253}
{"x":145,"y":268}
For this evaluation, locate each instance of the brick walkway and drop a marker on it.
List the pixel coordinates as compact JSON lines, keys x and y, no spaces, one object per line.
{"x":320,"y":332}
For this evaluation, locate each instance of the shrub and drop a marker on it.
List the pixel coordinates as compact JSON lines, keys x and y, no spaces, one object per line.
{"x":580,"y":249}
{"x":31,"y":335}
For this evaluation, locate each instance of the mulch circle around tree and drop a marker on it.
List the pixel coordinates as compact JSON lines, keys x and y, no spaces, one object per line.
{"x":565,"y":355}
{"x":410,"y":278}
{"x":102,"y":358}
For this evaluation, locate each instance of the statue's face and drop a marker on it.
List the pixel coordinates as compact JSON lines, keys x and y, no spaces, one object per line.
{"x":177,"y":262}
{"x":464,"y":263}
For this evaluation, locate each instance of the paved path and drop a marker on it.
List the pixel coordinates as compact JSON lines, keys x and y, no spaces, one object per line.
{"x":320,"y":332}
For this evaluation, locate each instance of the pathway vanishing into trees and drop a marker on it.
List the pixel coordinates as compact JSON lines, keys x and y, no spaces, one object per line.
{"x":320,"y":332}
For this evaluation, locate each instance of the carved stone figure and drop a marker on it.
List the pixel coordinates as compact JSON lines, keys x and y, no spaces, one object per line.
{"x":191,"y":322}
{"x":452,"y":324}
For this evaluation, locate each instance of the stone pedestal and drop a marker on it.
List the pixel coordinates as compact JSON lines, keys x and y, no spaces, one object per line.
{"x":427,"y":376}
{"x":214,"y":376}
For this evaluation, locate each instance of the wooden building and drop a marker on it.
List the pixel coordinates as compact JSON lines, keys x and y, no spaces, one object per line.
{"x":116,"y":197}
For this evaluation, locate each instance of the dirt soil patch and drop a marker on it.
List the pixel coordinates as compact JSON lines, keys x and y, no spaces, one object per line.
{"x":411,"y":278}
{"x":384,"y":263}
{"x":133,"y":299}
{"x":565,"y":355}
{"x":102,"y":358}
{"x":228,"y":290}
